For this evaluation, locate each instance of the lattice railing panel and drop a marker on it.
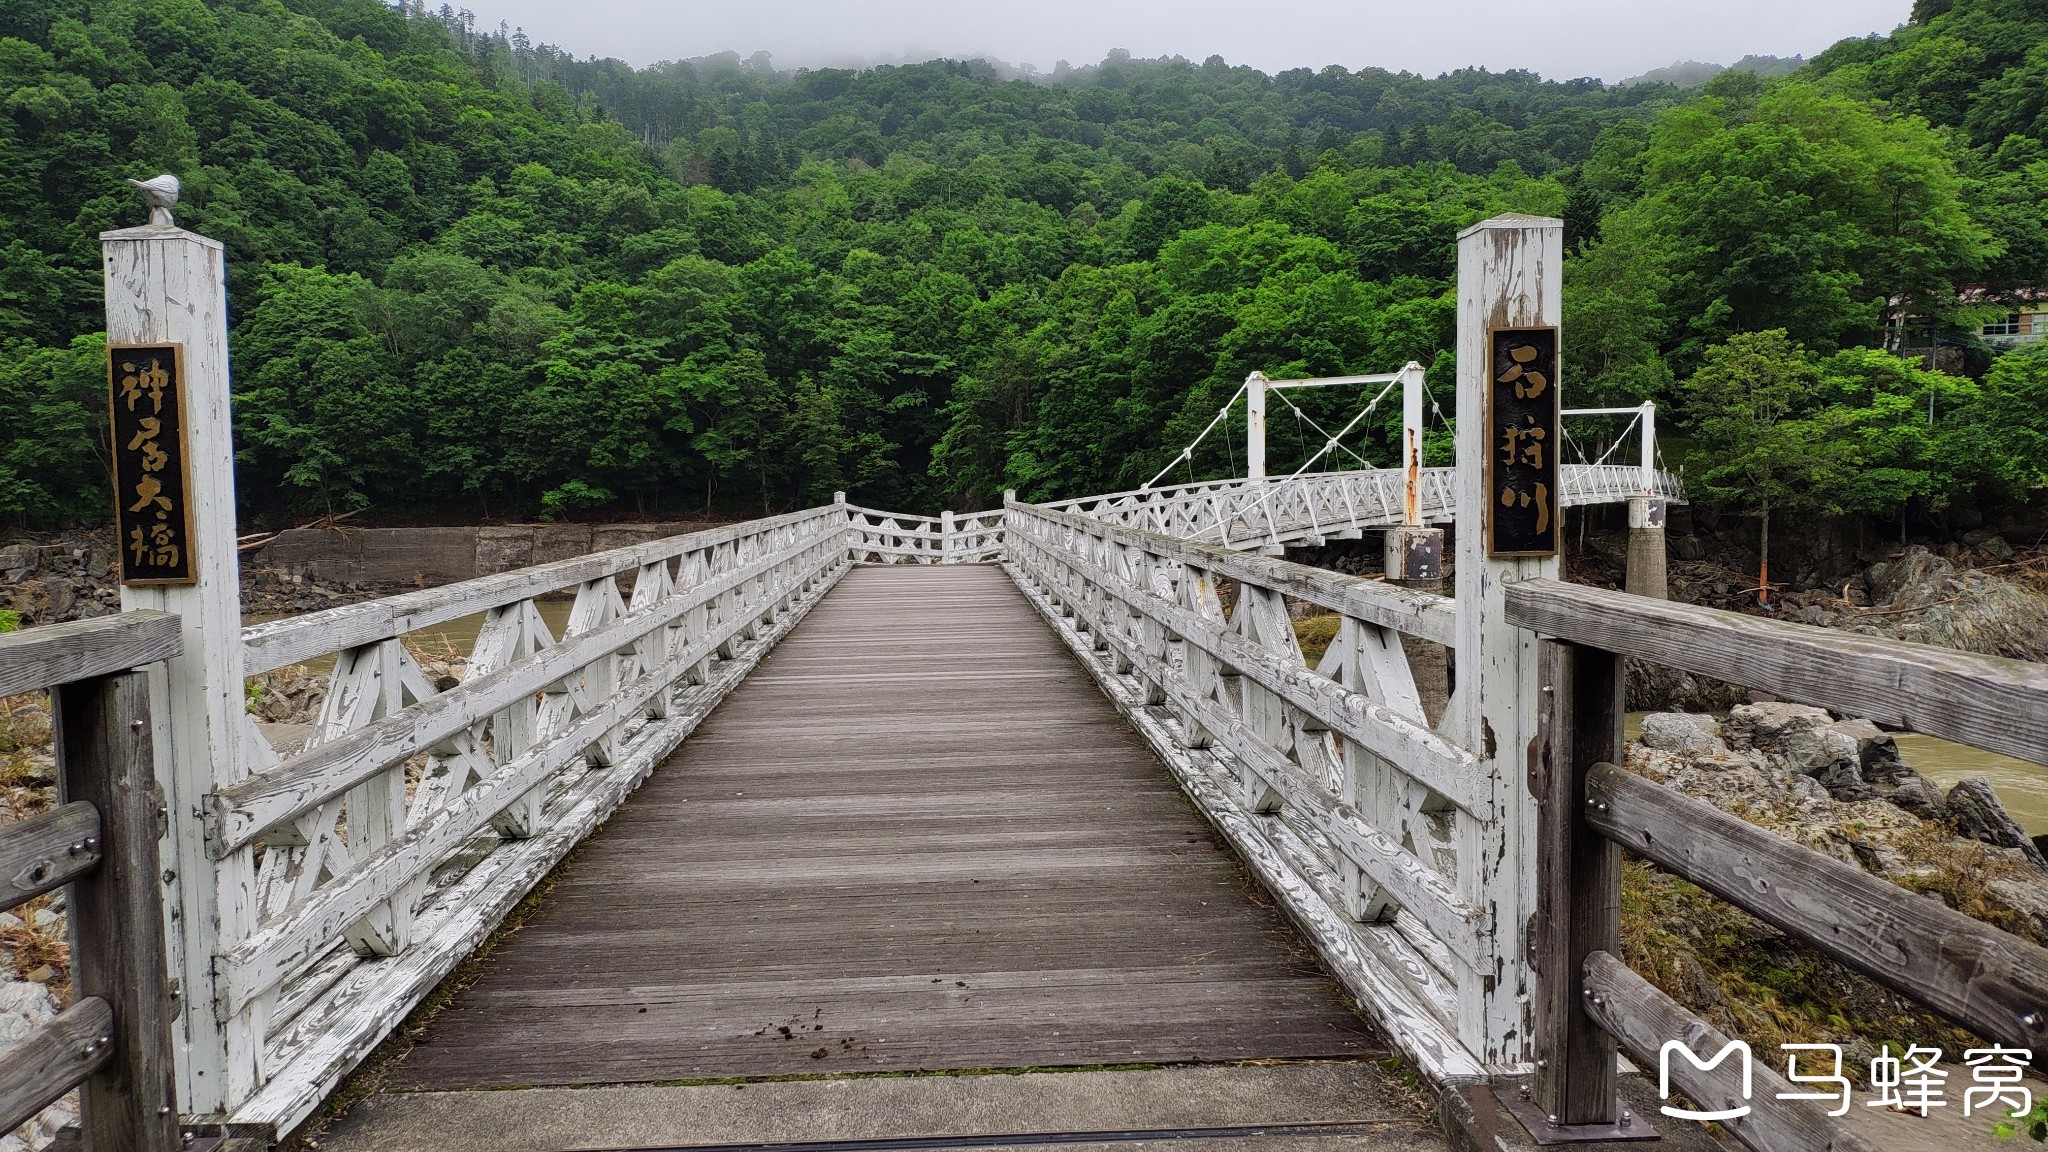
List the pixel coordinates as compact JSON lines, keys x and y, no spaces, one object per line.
{"x":1328,"y":778}
{"x":418,"y":814}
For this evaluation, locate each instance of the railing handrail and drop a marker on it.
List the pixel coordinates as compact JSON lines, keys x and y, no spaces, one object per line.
{"x":1989,"y":981}
{"x":1280,"y":762}
{"x":1987,"y":702}
{"x":543,"y":733}
{"x":114,"y":1042}
{"x":294,"y":639}
{"x":52,"y":654}
{"x":1423,"y":615}
{"x":1982,"y":977}
{"x":1669,"y":484}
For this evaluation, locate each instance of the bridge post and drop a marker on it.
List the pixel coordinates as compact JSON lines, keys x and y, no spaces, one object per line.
{"x":1646,"y":552}
{"x":946,"y":537}
{"x":165,"y":285}
{"x":1255,"y":426}
{"x":1646,"y":555}
{"x":1509,"y":273}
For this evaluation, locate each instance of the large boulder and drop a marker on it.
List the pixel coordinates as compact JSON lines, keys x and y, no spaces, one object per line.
{"x":1977,"y":813}
{"x":1806,"y":741}
{"x":1682,"y":732}
{"x":1779,"y":730}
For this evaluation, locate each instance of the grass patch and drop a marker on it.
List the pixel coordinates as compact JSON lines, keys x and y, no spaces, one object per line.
{"x":1315,"y":634}
{"x":1756,"y":983}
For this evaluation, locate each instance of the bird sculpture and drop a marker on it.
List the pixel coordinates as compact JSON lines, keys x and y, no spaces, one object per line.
{"x":161,"y":194}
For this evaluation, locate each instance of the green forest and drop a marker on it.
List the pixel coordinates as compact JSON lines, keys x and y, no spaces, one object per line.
{"x":472,"y":277}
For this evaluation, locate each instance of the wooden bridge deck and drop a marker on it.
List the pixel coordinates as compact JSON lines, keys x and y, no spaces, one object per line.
{"x":915,"y":838}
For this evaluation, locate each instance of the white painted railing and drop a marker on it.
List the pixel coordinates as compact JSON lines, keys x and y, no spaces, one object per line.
{"x":1329,"y":780}
{"x":383,"y":852}
{"x":418,"y":815}
{"x":901,"y":538}
{"x":1319,"y":506}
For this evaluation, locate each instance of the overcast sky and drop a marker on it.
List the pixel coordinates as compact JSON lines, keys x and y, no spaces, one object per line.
{"x":1610,"y":39}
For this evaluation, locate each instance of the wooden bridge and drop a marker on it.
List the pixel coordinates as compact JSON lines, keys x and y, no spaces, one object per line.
{"x":847,"y":790}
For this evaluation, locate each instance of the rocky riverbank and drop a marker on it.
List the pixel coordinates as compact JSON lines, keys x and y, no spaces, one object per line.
{"x":72,"y":576}
{"x":1841,"y":788}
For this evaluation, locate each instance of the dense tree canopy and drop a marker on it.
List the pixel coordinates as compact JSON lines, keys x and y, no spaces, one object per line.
{"x":472,"y":276}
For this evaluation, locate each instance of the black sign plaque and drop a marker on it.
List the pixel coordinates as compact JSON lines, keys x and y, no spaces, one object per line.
{"x":1521,"y":459}
{"x":152,"y":479}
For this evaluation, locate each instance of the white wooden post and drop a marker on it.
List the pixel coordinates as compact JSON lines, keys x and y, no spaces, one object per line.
{"x":945,"y":537}
{"x":1255,"y":426}
{"x":1510,"y":269}
{"x":1411,"y":445}
{"x":1412,"y":553}
{"x":167,"y":285}
{"x":1649,"y":447}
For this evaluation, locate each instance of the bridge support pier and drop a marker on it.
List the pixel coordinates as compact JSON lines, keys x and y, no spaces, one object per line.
{"x":1646,"y":555}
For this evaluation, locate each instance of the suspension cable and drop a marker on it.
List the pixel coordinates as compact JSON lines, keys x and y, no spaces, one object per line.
{"x":1188,"y":453}
{"x":1299,"y":416}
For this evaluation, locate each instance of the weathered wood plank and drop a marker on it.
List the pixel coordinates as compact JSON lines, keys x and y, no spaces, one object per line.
{"x":1983,"y":701}
{"x":1644,"y":1020}
{"x":344,"y":1022}
{"x":299,"y":638}
{"x":1578,"y":879}
{"x":107,"y":761}
{"x":1991,"y":982}
{"x":306,"y":930}
{"x":47,"y":851}
{"x":52,"y":654}
{"x":915,"y":789}
{"x":53,"y":1059}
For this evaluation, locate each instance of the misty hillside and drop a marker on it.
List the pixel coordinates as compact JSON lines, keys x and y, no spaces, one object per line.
{"x":474,"y":278}
{"x":1693,"y":73}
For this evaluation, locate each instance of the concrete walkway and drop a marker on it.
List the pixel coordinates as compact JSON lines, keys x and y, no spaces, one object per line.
{"x":1319,"y":1107}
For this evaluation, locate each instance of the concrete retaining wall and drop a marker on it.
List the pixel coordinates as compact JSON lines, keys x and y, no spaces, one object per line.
{"x":425,"y":557}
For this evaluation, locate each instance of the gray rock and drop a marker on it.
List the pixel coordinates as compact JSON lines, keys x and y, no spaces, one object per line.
{"x":17,"y":561}
{"x":1975,"y":808}
{"x":1914,"y":793}
{"x":1683,"y":733}
{"x":23,"y":1005}
{"x":1877,"y":754}
{"x":1844,"y":781}
{"x":1917,"y":578}
{"x":62,"y":597}
{"x":1987,"y":541}
{"x":1767,"y":725}
{"x":1808,"y":788}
